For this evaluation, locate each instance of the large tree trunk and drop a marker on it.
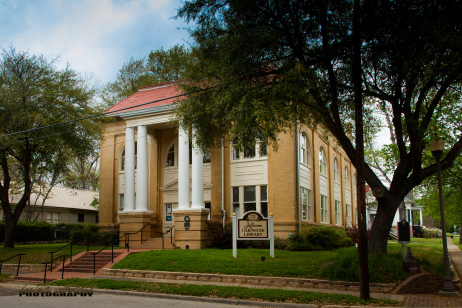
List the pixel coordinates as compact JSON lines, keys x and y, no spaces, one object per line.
{"x":10,"y":229}
{"x":378,"y":238}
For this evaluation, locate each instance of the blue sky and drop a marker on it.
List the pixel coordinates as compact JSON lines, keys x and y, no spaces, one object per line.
{"x":93,"y":36}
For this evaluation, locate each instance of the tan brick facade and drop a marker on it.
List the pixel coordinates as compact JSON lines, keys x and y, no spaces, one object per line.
{"x":276,"y":172}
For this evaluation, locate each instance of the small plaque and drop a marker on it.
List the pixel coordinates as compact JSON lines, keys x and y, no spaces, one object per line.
{"x":168,"y":218}
{"x":404,"y":231}
{"x":187,"y":219}
{"x":187,"y":225}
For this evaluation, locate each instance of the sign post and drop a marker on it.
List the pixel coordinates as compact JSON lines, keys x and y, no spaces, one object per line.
{"x":253,"y":226}
{"x":404,"y":235}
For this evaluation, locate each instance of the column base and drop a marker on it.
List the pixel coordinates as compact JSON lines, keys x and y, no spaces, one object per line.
{"x":194,"y":236}
{"x":131,"y":223}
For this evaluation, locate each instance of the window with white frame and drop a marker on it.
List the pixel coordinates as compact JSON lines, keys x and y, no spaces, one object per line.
{"x":348,"y":215}
{"x":250,"y":198}
{"x":338,"y":215}
{"x":303,"y":148}
{"x":236,"y":203}
{"x":336,"y":171}
{"x":324,"y":210}
{"x":347,"y":178}
{"x":257,"y":151}
{"x":122,"y":158}
{"x":322,"y":161}
{"x":307,"y":209}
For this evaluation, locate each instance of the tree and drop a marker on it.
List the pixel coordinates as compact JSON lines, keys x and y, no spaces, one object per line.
{"x":161,"y":66}
{"x":34,"y":94}
{"x":266,"y":64}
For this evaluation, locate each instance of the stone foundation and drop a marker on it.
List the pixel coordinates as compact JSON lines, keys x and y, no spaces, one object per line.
{"x":132,"y":223}
{"x":252,"y":280}
{"x":196,"y":236}
{"x":26,"y":267}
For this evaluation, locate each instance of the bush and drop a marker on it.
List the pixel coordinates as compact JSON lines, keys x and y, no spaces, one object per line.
{"x":318,"y":238}
{"x":27,"y":231}
{"x":216,"y":238}
{"x":382,"y":268}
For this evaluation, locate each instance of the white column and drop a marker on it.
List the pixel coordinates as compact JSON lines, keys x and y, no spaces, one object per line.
{"x":183,"y":170}
{"x":421,"y":221}
{"x":197,"y":177}
{"x":129,"y":170}
{"x":142,"y":170}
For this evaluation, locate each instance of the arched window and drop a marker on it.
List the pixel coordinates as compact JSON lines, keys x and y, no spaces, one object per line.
{"x":171,"y":157}
{"x":347,"y":178}
{"x":303,"y":143}
{"x":122,"y":158}
{"x":322,"y":161}
{"x":336,"y":171}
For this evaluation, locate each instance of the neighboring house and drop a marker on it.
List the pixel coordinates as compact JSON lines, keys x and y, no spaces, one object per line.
{"x":309,"y":180}
{"x":63,"y":205}
{"x":411,"y":208}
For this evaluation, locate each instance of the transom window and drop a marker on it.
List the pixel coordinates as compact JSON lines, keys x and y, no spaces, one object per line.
{"x":259,"y":150}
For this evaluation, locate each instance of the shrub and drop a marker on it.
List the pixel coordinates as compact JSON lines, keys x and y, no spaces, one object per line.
{"x":216,"y":238}
{"x":382,"y":268}
{"x":30,"y":231}
{"x":318,"y":238}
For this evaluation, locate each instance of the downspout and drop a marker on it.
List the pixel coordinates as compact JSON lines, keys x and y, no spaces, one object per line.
{"x":297,"y":168}
{"x":149,"y":173}
{"x":223,"y":184}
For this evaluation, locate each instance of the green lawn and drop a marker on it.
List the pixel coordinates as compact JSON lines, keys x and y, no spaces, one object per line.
{"x":38,"y":253}
{"x":221,"y":261}
{"x":285,"y":264}
{"x":268,"y":295}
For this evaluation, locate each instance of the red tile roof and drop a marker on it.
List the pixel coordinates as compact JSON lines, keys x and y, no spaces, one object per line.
{"x":148,"y":97}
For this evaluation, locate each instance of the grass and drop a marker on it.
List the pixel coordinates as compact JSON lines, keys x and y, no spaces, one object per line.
{"x":285,"y":264}
{"x":38,"y":253}
{"x":268,"y":295}
{"x":5,"y":277}
{"x":221,"y":261}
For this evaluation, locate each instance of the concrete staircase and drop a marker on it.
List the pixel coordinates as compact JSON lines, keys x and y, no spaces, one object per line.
{"x":155,"y":243}
{"x":84,"y":264}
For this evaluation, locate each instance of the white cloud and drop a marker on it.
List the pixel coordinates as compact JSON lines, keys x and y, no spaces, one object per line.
{"x":96,"y":36}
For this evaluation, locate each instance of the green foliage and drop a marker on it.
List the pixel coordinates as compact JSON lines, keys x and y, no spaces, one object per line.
{"x":261,"y":66}
{"x":81,"y":231}
{"x":382,"y":268}
{"x":27,"y":231}
{"x":161,"y":66}
{"x":318,"y":238}
{"x":34,"y":93}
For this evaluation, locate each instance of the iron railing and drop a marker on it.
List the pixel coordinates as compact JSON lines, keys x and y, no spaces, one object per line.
{"x":127,"y":245}
{"x":71,"y":243}
{"x":51,"y":265}
{"x":171,"y":236}
{"x":19,"y":262}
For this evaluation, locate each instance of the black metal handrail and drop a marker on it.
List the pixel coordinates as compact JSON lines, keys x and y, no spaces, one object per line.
{"x":171,"y":236}
{"x":72,"y":242}
{"x":51,"y":265}
{"x":127,"y":245}
{"x":19,"y":262}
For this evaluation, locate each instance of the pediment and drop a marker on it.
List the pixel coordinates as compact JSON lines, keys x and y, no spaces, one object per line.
{"x":173,"y":186}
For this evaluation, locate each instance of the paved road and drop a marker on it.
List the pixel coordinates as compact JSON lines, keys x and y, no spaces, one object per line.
{"x":9,"y":297}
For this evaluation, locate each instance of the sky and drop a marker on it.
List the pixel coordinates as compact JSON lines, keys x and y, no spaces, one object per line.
{"x":94,"y":36}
